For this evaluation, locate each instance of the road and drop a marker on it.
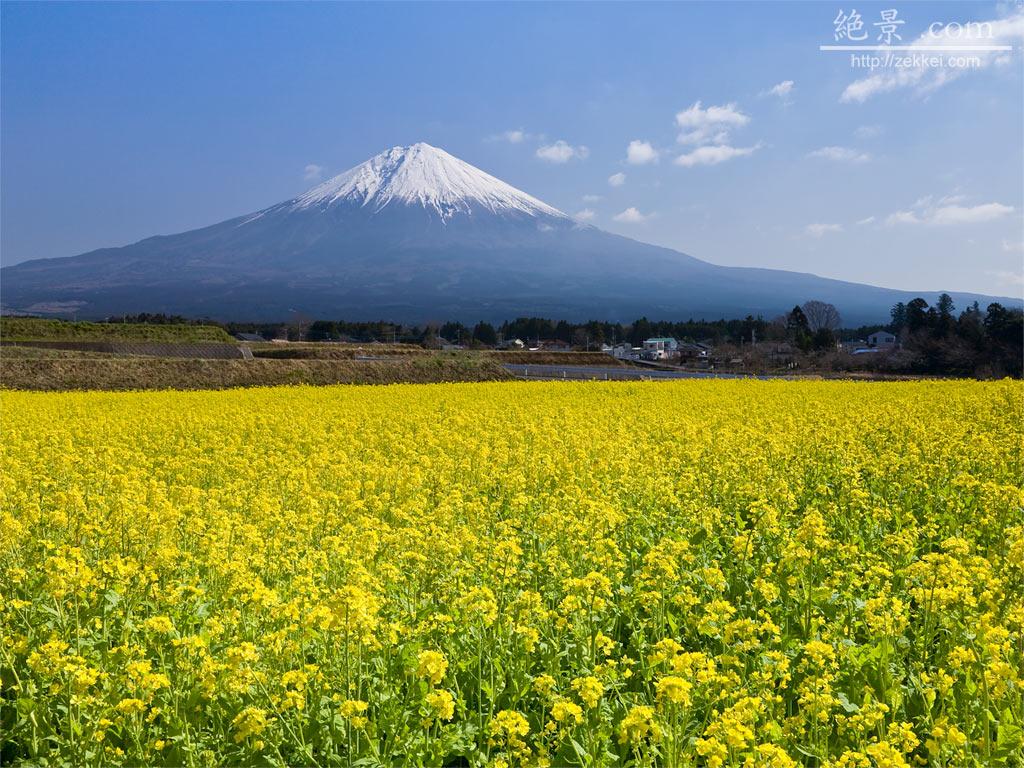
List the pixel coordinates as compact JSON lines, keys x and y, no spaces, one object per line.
{"x":611,"y":373}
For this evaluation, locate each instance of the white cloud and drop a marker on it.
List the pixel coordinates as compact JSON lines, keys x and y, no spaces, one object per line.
{"x":868,"y":220}
{"x":592,"y":198}
{"x":948,"y":212}
{"x":312,"y":172}
{"x":696,"y":116}
{"x":641,"y":153}
{"x":868,"y":131}
{"x":924,"y":79}
{"x":840,"y":155}
{"x":782,"y":90}
{"x":700,"y":125}
{"x":924,"y":202}
{"x":1006,"y":277}
{"x":562,"y":152}
{"x":632,"y":216}
{"x":1011,"y":246}
{"x":713,"y":154}
{"x":706,"y":135}
{"x":617,"y":179}
{"x":709,"y":129}
{"x":585,"y":215}
{"x":958,"y":214}
{"x":902,"y":217}
{"x":817,"y":230}
{"x":515,"y":136}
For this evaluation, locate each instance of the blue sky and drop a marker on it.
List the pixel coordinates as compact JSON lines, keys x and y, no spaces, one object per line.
{"x":121,"y":121}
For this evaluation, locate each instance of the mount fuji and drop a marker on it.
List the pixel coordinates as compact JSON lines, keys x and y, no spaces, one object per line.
{"x":415,"y":234}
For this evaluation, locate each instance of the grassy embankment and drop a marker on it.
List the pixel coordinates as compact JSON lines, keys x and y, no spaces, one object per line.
{"x":37,"y":329}
{"x":121,"y":373}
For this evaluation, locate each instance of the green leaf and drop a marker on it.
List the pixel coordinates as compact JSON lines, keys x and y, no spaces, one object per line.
{"x":848,"y":706}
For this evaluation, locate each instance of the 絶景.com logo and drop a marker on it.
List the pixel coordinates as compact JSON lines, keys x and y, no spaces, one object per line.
{"x":926,"y":44}
{"x":853,"y":32}
{"x":850,"y":26}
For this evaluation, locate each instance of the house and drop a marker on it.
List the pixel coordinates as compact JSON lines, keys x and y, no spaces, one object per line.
{"x":782,"y":354}
{"x":687,"y":351}
{"x":881,"y":340}
{"x":511,"y":344}
{"x":624,"y":351}
{"x":660,"y":348}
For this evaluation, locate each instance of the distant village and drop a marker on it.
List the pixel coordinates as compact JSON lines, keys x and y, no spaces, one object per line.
{"x":671,"y":351}
{"x":656,"y":349}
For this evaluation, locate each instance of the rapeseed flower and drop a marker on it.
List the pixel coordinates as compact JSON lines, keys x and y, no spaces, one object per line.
{"x":730,"y":574}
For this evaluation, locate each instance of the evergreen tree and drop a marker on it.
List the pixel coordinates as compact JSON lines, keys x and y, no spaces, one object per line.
{"x":796,"y":320}
{"x":917,"y":314}
{"x":898,"y":313}
{"x":485,"y":334}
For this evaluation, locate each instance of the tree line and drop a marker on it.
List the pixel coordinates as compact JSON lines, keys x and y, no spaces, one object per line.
{"x":932,"y":339}
{"x":973,"y":342}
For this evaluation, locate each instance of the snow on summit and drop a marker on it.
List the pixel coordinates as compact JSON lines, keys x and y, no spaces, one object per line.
{"x":427,"y":176}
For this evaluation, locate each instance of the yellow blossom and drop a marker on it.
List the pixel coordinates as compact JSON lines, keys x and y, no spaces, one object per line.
{"x":442,"y":704}
{"x":431,"y":665}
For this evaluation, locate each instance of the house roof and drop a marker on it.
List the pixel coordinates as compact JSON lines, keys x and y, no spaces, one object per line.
{"x":657,"y":339}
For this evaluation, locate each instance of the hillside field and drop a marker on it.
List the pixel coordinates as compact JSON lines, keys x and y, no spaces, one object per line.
{"x":737,"y":574}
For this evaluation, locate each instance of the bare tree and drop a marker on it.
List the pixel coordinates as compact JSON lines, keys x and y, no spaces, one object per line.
{"x":820,"y":315}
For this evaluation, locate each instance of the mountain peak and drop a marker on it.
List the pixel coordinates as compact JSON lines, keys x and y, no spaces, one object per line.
{"x":427,"y":176}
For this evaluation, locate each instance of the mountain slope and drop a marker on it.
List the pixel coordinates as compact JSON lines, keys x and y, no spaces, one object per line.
{"x":415,"y":234}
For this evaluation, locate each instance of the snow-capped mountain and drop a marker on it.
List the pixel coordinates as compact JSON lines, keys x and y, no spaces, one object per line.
{"x":427,"y":176}
{"x":415,"y":234}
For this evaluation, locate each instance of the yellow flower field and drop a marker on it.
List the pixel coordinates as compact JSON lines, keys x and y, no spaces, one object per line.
{"x":717,"y":573}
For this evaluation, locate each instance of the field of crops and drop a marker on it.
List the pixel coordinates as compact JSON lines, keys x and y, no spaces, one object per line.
{"x":717,"y":573}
